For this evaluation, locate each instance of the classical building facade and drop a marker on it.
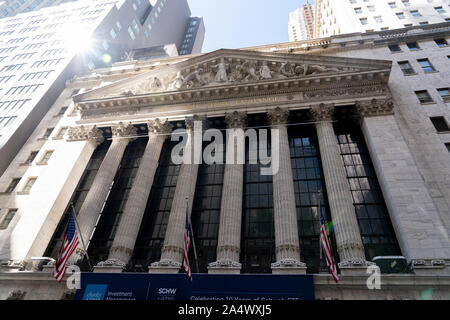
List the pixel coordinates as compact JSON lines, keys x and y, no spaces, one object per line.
{"x":353,"y":138}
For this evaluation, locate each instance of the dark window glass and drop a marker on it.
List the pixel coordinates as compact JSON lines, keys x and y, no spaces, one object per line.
{"x":12,"y":185}
{"x":373,"y":218}
{"x":8,"y":218}
{"x":78,"y":197}
{"x":47,"y":133}
{"x":31,"y":157}
{"x":406,"y":67}
{"x":440,"y":124}
{"x":444,"y":93}
{"x":308,"y":180}
{"x":258,"y":235}
{"x":153,"y":227}
{"x":423,"y":96}
{"x":426,"y":65}
{"x":394,"y":48}
{"x":413,"y":46}
{"x":441,"y":42}
{"x":448,"y":146}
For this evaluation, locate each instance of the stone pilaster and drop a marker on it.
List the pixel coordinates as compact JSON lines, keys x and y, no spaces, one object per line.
{"x":130,"y":222}
{"x":96,"y":197}
{"x":415,"y":217}
{"x":285,"y":214}
{"x":228,"y":247}
{"x":173,"y":248}
{"x":348,"y":237}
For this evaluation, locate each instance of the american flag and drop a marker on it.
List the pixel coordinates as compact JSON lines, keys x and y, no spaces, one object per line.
{"x":327,"y":248}
{"x":187,"y":242}
{"x":69,"y":245}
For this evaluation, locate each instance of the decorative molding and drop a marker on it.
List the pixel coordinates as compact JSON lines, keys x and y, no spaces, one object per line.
{"x":287,"y":247}
{"x":166,"y":264}
{"x":322,"y":112}
{"x":112,"y":263}
{"x":124,"y":130}
{"x":355,"y":263}
{"x":81,"y":133}
{"x":375,"y":107}
{"x":288,"y":263}
{"x":16,"y":295}
{"x":159,"y":127}
{"x":278,"y":116}
{"x":125,"y":250}
{"x":229,"y":248}
{"x":175,"y":249}
{"x":236,"y":119}
{"x":225,"y":264}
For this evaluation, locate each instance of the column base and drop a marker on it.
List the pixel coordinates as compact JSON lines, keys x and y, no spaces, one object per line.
{"x":13,"y":266}
{"x":224,"y":267}
{"x":431,"y":267}
{"x":110,"y":266}
{"x":288,"y":266}
{"x":164,"y":266}
{"x":355,"y":267}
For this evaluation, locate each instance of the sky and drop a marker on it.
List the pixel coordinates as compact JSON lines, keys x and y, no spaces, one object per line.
{"x":232,"y":24}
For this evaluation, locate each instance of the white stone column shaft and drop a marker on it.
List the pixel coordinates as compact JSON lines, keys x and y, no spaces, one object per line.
{"x":130,"y":222}
{"x":229,"y":240}
{"x":173,"y":248}
{"x":345,"y":223}
{"x":285,"y":213}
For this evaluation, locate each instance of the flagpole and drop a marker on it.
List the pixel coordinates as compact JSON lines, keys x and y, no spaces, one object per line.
{"x":320,"y":240}
{"x":81,"y":237}
{"x":193,"y":240}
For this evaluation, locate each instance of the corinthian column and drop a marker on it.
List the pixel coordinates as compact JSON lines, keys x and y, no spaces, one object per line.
{"x":130,"y":222}
{"x":173,"y":248}
{"x":285,"y":215}
{"x":90,"y":210}
{"x":345,"y":223}
{"x":229,"y":244}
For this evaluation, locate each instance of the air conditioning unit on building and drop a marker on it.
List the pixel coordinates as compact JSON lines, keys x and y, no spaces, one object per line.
{"x":392,"y":264}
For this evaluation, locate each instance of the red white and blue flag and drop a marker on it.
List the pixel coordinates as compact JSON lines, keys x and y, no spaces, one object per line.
{"x":187,"y":242}
{"x":327,"y":248}
{"x":70,"y":243}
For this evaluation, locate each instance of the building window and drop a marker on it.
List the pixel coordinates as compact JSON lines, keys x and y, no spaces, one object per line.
{"x":119,"y":26}
{"x":423,"y":96}
{"x":441,"y":42}
{"x":28,"y":185}
{"x":400,"y":15}
{"x":415,"y":13}
{"x":31,"y":157}
{"x":413,"y":46}
{"x":394,"y":48}
{"x":423,"y":22}
{"x":47,"y":133}
{"x":406,"y":67}
{"x":46,"y":157}
{"x":448,"y":146}
{"x":445,"y":94}
{"x":62,"y":111}
{"x":406,"y":3}
{"x":113,"y":34}
{"x":392,"y":5}
{"x":439,"y":9}
{"x":61,"y":133}
{"x":6,"y":220}
{"x":131,"y":33}
{"x":371,"y":8}
{"x":12,"y":185}
{"x":426,"y":65}
{"x":358,"y":10}
{"x":440,"y":124}
{"x":378,"y":19}
{"x":364,"y":21}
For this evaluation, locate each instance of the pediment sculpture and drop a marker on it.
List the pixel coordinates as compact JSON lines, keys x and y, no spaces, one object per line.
{"x":228,"y":71}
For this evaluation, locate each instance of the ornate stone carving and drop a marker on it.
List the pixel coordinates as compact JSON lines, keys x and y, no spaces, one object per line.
{"x":112,"y":263}
{"x":17,"y":295}
{"x":159,"y":127}
{"x":288,"y":263}
{"x":166,"y":263}
{"x":190,"y":121}
{"x":375,"y":107}
{"x":278,"y":116}
{"x":225,"y":264}
{"x":221,"y":74}
{"x":91,"y":133}
{"x":322,"y":112}
{"x":236,"y":119}
{"x":124,"y":130}
{"x":355,"y":263}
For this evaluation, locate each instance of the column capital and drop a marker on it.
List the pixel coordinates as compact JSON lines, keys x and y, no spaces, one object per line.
{"x":322,"y":112}
{"x":375,"y":107}
{"x":159,"y":127}
{"x":278,"y":116}
{"x":191,"y":120}
{"x":123,"y":130}
{"x":81,"y":133}
{"x":236,"y":119}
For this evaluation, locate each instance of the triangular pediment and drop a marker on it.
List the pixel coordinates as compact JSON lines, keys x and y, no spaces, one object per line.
{"x":228,"y":68}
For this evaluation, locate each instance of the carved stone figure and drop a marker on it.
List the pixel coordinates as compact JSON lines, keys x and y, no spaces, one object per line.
{"x":265,"y":71}
{"x":314,"y":69}
{"x":155,"y":84}
{"x":178,"y":83}
{"x":221,"y":75}
{"x":193,"y":78}
{"x":250,"y":70}
{"x":286,"y":70}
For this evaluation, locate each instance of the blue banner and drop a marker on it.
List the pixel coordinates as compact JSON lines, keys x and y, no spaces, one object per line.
{"x":139,"y":286}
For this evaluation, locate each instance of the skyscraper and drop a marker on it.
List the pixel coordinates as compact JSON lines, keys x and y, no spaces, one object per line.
{"x":347,"y":16}
{"x":9,"y":8}
{"x":301,"y":23}
{"x":40,"y":50}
